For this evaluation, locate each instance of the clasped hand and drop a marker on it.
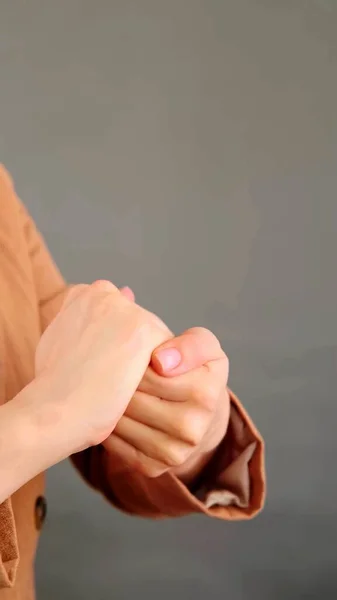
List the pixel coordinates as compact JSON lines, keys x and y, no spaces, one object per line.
{"x":116,"y":375}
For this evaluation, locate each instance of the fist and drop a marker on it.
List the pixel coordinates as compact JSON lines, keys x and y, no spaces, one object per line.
{"x":180,"y":411}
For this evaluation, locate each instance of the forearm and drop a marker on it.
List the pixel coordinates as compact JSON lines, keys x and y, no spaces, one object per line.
{"x":28,"y":439}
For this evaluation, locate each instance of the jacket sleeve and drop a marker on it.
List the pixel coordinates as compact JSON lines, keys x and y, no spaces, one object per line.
{"x":232,"y":486}
{"x":9,"y":551}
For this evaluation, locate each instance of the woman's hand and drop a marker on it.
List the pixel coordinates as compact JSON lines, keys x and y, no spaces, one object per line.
{"x":180,"y":411}
{"x":90,"y":361}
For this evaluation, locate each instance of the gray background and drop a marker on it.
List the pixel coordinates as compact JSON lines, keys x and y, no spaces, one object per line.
{"x":189,"y":149}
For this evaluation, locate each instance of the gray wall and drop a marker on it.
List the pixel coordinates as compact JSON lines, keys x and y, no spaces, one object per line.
{"x":189,"y":149}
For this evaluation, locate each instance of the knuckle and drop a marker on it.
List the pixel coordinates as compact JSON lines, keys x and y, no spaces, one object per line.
{"x":201,"y":331}
{"x":74,"y":293}
{"x":134,"y":327}
{"x":147,"y":466}
{"x":151,"y":322}
{"x":177,"y":455}
{"x":103,"y":285}
{"x":153,"y":471}
{"x":151,"y":330}
{"x":206,"y":392}
{"x":135,"y":320}
{"x":225,"y":360}
{"x":208,"y":336}
{"x":212,"y":392}
{"x":137,"y":461}
{"x":197,"y":393}
{"x":142,"y":321}
{"x":192,"y":426}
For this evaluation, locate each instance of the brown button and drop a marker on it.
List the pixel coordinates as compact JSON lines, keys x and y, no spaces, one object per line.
{"x":40,"y":511}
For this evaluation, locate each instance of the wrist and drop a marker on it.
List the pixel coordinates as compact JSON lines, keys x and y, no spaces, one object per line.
{"x":45,"y":422}
{"x":37,"y":424}
{"x":26,"y":449}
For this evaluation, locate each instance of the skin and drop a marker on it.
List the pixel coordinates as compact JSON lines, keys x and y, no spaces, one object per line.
{"x":94,"y":385}
{"x":180,"y":411}
{"x":89,"y":363}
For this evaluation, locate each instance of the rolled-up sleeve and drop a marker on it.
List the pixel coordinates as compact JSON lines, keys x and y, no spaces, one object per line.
{"x":235,"y":482}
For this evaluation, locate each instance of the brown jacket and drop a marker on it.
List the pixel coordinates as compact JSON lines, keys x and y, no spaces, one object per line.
{"x":32,"y":290}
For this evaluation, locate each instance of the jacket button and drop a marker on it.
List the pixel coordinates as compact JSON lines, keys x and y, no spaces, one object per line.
{"x":40,"y":512}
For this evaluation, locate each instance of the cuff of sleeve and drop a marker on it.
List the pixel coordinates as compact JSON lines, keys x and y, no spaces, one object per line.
{"x":9,"y":552}
{"x":234,"y":484}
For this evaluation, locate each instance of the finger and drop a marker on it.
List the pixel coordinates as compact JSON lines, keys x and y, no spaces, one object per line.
{"x":74,"y":292}
{"x":174,"y":389}
{"x":186,"y":352}
{"x":128,"y":293}
{"x":187,"y":423}
{"x":127,"y":457}
{"x":103,"y":285}
{"x":200,"y":386}
{"x":153,"y":443}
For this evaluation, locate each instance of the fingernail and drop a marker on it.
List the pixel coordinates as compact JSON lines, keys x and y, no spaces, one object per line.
{"x":128,"y":293}
{"x":168,"y":359}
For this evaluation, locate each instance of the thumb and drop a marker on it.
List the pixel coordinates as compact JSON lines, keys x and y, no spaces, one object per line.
{"x":192,"y":349}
